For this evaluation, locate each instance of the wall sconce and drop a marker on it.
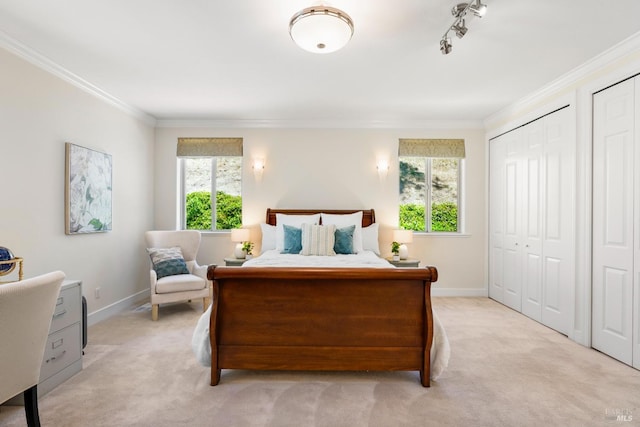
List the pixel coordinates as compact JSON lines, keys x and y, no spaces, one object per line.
{"x":258,"y":168}
{"x":383,"y":168}
{"x":240,"y":235}
{"x":402,"y":237}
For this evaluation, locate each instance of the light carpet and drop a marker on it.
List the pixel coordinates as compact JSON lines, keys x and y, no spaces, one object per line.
{"x":505,"y":370}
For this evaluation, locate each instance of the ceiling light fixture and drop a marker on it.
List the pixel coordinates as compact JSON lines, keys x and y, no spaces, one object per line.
{"x":459,"y":27}
{"x":321,"y":29}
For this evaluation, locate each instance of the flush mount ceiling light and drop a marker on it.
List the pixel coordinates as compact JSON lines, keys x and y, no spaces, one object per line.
{"x":459,"y":27}
{"x":321,"y":29}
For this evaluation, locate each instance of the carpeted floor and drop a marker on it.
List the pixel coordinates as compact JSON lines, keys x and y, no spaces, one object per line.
{"x":505,"y":370}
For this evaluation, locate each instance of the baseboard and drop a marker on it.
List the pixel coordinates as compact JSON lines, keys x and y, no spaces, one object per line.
{"x":117,"y":307}
{"x":459,"y":292}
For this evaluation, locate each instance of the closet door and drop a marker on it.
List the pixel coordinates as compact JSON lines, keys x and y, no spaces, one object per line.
{"x":636,"y":264}
{"x":613,"y":215}
{"x":533,"y":138}
{"x":512,"y":250}
{"x":558,"y":236}
{"x":496,"y":218}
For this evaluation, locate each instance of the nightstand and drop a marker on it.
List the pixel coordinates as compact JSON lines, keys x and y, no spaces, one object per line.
{"x":404,"y":262}
{"x":234,"y":262}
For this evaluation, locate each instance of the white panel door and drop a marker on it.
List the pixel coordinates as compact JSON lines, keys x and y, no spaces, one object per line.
{"x":512,"y":249}
{"x":558,"y":236}
{"x":496,"y":218}
{"x":613,"y":214}
{"x":532,"y":210}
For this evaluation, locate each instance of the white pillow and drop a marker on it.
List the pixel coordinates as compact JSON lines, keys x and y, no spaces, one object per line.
{"x":268,"y":237}
{"x":370,"y":238}
{"x":346,"y":220}
{"x":318,"y":239}
{"x":293,"y":220}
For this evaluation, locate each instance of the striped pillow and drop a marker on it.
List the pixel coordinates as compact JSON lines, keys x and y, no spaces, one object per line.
{"x":318,"y":239}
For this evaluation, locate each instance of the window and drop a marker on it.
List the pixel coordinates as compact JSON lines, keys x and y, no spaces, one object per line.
{"x":210,"y":196}
{"x":430,"y":176}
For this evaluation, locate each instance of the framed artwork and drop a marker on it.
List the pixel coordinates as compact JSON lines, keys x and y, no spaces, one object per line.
{"x":87,"y":190}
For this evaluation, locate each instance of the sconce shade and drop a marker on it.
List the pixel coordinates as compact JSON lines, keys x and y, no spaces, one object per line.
{"x":321,"y":29}
{"x":240,"y":235}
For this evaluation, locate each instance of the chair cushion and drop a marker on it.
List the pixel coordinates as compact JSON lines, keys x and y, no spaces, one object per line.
{"x":179,"y":283}
{"x":167,"y":261}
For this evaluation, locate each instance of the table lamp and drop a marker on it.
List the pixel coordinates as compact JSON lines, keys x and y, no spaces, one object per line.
{"x":402,"y":237}
{"x":240,"y":235}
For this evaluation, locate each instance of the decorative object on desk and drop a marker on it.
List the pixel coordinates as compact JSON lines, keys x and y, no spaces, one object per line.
{"x":6,"y":255}
{"x":87,"y":190}
{"x":240,"y":236}
{"x":402,"y":237}
{"x":395,"y":250}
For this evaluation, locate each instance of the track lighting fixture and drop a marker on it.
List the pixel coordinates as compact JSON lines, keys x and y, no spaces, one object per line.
{"x":459,"y":27}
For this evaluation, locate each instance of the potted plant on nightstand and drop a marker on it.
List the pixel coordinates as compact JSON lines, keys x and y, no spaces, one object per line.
{"x":395,"y":250}
{"x":247,"y":247}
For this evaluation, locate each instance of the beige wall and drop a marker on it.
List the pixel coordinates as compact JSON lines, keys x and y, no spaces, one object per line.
{"x":320,"y":168}
{"x":39,"y":113}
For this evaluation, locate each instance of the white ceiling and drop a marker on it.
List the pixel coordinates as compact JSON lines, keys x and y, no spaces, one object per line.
{"x":234,"y":60}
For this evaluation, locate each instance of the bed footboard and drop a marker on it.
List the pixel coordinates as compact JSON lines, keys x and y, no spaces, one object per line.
{"x":354,"y":319}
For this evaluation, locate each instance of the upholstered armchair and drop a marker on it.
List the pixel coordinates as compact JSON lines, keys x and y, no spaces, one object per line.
{"x":26,"y":310}
{"x":175,"y":274}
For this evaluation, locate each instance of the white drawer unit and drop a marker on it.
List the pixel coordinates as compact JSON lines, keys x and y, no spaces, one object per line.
{"x":63,"y":352}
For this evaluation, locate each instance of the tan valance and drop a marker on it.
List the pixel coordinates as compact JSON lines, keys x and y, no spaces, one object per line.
{"x":209,"y":147}
{"x":431,"y":148}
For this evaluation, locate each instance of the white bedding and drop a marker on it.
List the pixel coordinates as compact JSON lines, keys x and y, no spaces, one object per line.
{"x":273,"y":258}
{"x":440,"y":349}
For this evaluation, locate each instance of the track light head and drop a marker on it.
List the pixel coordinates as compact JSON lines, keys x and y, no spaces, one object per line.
{"x":445,"y":47}
{"x":459,"y":9}
{"x":478,"y":9}
{"x":460,"y":29}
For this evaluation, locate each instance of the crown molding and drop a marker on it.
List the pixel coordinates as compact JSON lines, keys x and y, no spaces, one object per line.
{"x":320,"y":124}
{"x":567,"y":82}
{"x":23,"y":51}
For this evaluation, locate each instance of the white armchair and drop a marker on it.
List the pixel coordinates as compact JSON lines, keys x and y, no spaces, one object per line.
{"x":26,"y":310}
{"x":178,"y":287}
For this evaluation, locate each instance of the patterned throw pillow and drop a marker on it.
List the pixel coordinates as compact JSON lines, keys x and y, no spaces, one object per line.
{"x":318,"y":239}
{"x":167,"y":261}
{"x":344,"y":240}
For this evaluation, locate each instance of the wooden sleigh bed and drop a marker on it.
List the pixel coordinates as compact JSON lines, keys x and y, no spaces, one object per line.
{"x":329,"y":319}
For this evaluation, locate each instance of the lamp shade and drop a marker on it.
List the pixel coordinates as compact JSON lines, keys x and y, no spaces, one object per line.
{"x":403,"y":236}
{"x":321,"y":29}
{"x":240,"y":235}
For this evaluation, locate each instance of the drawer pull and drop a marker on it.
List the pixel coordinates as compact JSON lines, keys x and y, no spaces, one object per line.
{"x":53,"y":358}
{"x":63,"y":312}
{"x":60,"y":301}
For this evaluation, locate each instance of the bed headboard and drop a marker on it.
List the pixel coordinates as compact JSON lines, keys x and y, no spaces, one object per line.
{"x":368,"y":215}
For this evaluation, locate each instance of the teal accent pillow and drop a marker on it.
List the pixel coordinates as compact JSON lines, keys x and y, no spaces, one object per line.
{"x":168,"y":261}
{"x":344,"y":240}
{"x":292,"y":240}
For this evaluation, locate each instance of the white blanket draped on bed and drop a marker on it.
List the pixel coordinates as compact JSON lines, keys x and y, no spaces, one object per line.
{"x":440,"y":349}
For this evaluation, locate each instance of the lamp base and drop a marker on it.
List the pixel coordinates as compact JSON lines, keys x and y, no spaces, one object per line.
{"x":238,"y":252}
{"x":403,"y":252}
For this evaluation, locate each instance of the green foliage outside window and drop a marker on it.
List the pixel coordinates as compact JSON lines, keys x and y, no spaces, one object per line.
{"x":198,"y":210}
{"x":444,"y":217}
